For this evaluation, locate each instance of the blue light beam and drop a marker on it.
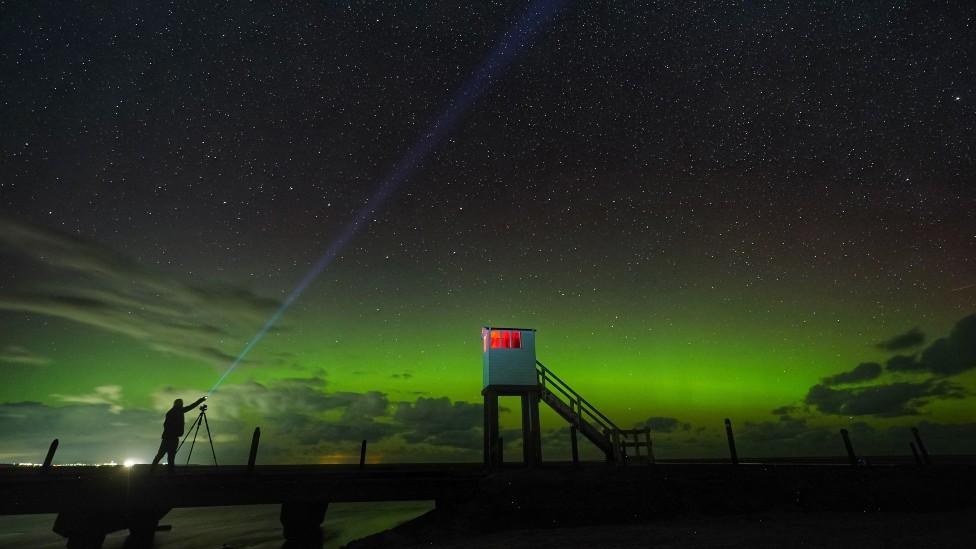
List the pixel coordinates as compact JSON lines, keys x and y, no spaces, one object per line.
{"x":516,"y":38}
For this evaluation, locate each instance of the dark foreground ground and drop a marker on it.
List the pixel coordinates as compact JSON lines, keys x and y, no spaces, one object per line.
{"x":256,"y":527}
{"x":238,"y":527}
{"x":955,"y":529}
{"x":706,"y":506}
{"x":666,"y":505}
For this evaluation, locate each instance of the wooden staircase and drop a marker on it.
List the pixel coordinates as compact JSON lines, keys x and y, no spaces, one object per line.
{"x":613,"y":441}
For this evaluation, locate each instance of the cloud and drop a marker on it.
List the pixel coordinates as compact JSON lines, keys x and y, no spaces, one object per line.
{"x":438,"y":421}
{"x":904,"y":363}
{"x":907,"y":340}
{"x":360,"y":407}
{"x":88,"y":432}
{"x":90,"y":284}
{"x":301,"y":422}
{"x":865,"y":371}
{"x":306,"y":430}
{"x":895,"y":399}
{"x":302,"y":412}
{"x":14,"y":354}
{"x":106,"y":394}
{"x":801,"y":439}
{"x":297,"y":412}
{"x":432,"y":429}
{"x":946,"y":356}
{"x":785,"y":411}
{"x":91,"y":432}
{"x":664,"y":424}
{"x":291,"y":395}
{"x":778,"y":439}
{"x":958,"y":438}
{"x":953,"y":354}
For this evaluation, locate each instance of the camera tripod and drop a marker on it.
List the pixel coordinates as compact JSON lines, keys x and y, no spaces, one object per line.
{"x":195,"y":427}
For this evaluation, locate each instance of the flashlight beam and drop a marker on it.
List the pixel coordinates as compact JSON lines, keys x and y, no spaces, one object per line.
{"x":516,"y":38}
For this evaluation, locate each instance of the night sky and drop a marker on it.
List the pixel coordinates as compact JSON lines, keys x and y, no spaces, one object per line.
{"x":722,"y":209}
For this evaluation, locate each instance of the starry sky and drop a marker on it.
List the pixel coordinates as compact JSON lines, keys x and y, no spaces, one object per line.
{"x":707,"y":209}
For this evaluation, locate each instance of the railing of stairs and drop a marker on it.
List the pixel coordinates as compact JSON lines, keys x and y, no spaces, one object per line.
{"x":580,"y":408}
{"x":620,"y":440}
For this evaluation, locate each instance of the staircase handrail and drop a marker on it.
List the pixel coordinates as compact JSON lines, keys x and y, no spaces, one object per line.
{"x":590,"y":410}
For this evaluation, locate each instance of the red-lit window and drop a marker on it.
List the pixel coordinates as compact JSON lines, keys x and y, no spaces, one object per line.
{"x":506,"y":339}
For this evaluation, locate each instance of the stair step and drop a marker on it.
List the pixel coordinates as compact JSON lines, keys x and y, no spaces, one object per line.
{"x":601,"y":431}
{"x":587,"y":429}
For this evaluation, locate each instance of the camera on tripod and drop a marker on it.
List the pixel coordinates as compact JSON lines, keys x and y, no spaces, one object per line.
{"x":195,"y":429}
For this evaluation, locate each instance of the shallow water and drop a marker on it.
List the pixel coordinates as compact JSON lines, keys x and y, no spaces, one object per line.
{"x":238,"y":527}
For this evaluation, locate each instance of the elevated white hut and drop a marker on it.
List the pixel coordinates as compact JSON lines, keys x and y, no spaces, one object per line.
{"x":508,"y":357}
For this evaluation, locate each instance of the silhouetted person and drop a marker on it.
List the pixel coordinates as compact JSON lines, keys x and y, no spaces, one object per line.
{"x":172,"y":431}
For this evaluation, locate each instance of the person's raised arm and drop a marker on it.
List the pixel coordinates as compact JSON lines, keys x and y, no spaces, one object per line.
{"x":195,"y":404}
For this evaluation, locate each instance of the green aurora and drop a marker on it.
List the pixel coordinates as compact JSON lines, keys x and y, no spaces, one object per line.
{"x":647,"y":352}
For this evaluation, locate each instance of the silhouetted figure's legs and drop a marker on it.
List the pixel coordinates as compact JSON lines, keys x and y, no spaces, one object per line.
{"x":159,"y":453}
{"x":171,"y":455}
{"x":167,"y":446}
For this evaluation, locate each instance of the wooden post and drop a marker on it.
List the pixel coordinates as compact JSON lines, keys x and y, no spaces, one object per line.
{"x":574,"y":445}
{"x":850,"y":448}
{"x":650,"y":445}
{"x":536,"y":428}
{"x":728,"y":434}
{"x":50,"y":455}
{"x":619,"y":451}
{"x":918,"y":458}
{"x":921,"y":446}
{"x":253,"y":454}
{"x":486,"y":435}
{"x":362,"y":455}
{"x":612,"y":454}
{"x":492,"y":450}
{"x":527,"y":451}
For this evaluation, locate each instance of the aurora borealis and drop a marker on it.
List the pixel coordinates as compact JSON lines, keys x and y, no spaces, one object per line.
{"x":750,"y":211}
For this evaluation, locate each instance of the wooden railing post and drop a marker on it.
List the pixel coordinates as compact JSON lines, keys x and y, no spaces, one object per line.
{"x":621,"y":452}
{"x":49,"y":458}
{"x":921,"y":446}
{"x":574,"y":445}
{"x":252,"y":456}
{"x":918,"y":458}
{"x":650,"y":445}
{"x":729,"y":435}
{"x":849,"y":447}
{"x":362,"y":455}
